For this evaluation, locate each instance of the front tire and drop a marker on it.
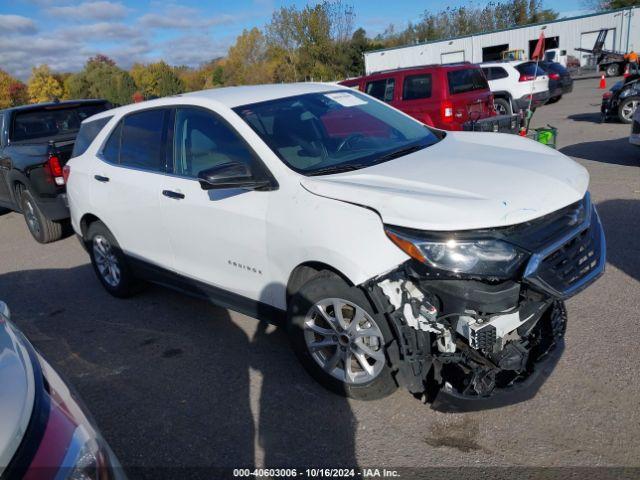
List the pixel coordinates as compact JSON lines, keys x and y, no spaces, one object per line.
{"x":627,"y":108}
{"x":41,"y":228}
{"x":109,"y":263}
{"x":339,"y":339}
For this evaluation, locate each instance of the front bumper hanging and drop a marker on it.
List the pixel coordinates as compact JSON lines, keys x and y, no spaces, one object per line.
{"x":485,"y":343}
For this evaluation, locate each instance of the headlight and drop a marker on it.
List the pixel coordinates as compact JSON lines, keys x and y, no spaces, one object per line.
{"x":487,"y":257}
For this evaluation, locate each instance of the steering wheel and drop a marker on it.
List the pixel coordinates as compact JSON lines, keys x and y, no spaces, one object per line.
{"x":348,"y":139}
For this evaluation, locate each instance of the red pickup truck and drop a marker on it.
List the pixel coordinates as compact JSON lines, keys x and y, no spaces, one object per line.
{"x":449,"y":97}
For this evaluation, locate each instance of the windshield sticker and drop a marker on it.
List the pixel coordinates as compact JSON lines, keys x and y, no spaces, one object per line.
{"x":346,"y":99}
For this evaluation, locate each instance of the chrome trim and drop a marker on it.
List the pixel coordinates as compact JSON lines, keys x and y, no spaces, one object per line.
{"x":536,"y":259}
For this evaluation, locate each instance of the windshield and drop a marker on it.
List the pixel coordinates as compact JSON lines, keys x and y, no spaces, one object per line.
{"x":323,"y":133}
{"x":51,"y":121}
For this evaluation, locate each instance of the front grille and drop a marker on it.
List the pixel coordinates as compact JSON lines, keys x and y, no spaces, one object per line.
{"x":573,"y":265}
{"x":635,"y":128}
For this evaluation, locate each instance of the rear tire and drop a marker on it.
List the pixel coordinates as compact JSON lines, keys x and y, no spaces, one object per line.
{"x":502,"y":106}
{"x":612,"y":70}
{"x":345,"y":357}
{"x":109,"y":262}
{"x":41,"y":228}
{"x":627,"y":108}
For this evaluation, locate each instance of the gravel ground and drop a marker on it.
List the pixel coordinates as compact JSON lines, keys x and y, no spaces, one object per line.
{"x":175,"y":382}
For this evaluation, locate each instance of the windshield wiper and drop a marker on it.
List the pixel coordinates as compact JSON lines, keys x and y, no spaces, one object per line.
{"x":400,"y":153}
{"x":338,"y":169}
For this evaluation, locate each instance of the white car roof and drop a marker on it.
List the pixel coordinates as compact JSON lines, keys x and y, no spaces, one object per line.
{"x":230,"y":96}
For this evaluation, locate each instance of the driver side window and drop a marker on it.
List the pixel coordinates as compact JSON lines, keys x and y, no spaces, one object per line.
{"x":202,"y":140}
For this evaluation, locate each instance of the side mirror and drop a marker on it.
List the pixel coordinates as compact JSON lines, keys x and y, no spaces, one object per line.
{"x":231,"y":175}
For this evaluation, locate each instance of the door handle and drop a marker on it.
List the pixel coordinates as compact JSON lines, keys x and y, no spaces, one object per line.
{"x":100,"y":178}
{"x":172,"y":194}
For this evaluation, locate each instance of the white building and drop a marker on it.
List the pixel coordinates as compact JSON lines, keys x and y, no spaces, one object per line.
{"x":566,"y":34}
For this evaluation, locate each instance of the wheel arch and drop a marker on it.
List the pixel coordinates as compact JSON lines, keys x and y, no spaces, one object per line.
{"x":86,"y":220}
{"x":305,"y":271}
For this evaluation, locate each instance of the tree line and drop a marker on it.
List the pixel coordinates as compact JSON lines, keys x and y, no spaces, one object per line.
{"x":316,"y":42}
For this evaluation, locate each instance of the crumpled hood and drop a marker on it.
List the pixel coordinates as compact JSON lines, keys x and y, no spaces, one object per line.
{"x":16,"y":392}
{"x":466,"y":181}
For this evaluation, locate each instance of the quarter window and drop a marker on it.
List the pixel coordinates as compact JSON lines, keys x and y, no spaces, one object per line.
{"x":111,"y":149}
{"x":86,"y":135}
{"x":381,"y":89}
{"x":202,"y":140}
{"x":416,"y":86}
{"x":143,"y":140}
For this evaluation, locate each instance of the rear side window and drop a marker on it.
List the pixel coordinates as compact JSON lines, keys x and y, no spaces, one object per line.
{"x":143,"y":138}
{"x":416,"y":86}
{"x":496,"y":73}
{"x":466,"y":80}
{"x":381,"y":89}
{"x":86,"y":135}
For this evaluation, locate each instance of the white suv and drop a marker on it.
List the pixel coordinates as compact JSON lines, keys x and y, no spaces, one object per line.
{"x":395,"y":253}
{"x":516,"y":85}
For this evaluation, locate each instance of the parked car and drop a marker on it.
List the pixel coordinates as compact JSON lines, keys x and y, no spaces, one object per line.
{"x":560,"y":81}
{"x":517,"y":85}
{"x":44,"y":432}
{"x":396,"y":254}
{"x":35,"y":143}
{"x":450,"y":97}
{"x":621,"y":100}
{"x":634,"y":138}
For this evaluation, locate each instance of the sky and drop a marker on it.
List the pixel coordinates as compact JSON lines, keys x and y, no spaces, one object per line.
{"x":64,"y":33}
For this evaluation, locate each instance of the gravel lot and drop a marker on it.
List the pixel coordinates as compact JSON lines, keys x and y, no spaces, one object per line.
{"x":176,"y":382}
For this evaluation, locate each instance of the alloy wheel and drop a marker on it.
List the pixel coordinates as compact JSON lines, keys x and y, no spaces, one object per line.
{"x":628,"y":109}
{"x":500,"y":109}
{"x":344,"y":340}
{"x":31,"y":217}
{"x":106,"y":260}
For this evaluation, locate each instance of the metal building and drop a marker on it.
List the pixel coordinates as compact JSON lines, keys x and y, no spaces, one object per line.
{"x":566,"y":34}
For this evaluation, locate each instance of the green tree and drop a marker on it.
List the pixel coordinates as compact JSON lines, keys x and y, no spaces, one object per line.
{"x":248,"y":61}
{"x":101,"y":78}
{"x":157,"y":79}
{"x":43,"y":85}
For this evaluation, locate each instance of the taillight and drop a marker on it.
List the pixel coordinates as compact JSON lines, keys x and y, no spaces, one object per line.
{"x":56,"y":170}
{"x":607,"y":95}
{"x":526,"y":78}
{"x":554,"y":76}
{"x":446,"y":111}
{"x":66,"y":171}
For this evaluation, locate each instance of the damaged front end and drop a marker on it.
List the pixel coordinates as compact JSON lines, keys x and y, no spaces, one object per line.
{"x":476,"y":313}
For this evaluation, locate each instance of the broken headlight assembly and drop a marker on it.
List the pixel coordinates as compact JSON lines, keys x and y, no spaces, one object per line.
{"x":474,"y":257}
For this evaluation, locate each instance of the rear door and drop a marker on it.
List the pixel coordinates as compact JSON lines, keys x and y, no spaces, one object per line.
{"x":418,"y":98}
{"x":127,"y":185}
{"x":469,"y":94}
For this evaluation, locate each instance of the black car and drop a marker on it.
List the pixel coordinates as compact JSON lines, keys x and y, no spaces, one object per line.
{"x":560,"y":81}
{"x":622,"y":99}
{"x":35,"y":143}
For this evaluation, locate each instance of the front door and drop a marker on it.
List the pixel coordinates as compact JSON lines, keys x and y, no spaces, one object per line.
{"x":218,"y":236}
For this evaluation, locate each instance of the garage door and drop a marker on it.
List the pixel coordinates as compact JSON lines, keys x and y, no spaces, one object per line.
{"x":588,"y":39}
{"x":452,"y":57}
